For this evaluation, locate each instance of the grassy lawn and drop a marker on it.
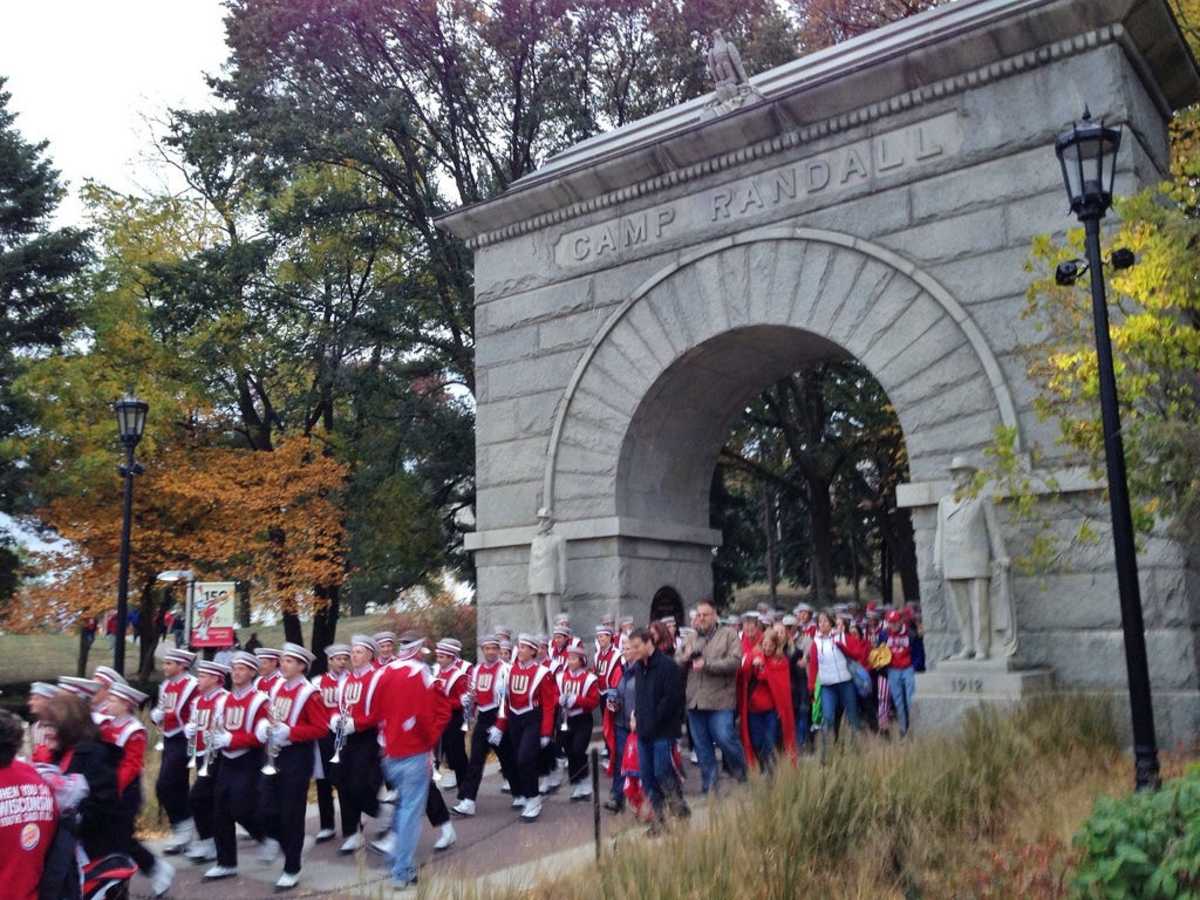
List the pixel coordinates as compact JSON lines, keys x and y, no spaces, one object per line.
{"x":43,"y":657}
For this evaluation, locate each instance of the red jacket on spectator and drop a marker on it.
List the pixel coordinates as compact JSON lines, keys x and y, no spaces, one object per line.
{"x":28,"y":820}
{"x":404,"y":702}
{"x":900,"y":643}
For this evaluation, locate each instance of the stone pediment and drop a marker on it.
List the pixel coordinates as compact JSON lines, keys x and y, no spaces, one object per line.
{"x":914,"y":61}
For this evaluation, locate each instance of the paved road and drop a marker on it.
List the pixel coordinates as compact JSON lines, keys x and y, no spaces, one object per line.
{"x":494,"y":840}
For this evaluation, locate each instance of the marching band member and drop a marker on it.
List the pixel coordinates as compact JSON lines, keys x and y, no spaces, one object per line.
{"x":606,"y":652}
{"x":297,"y":721}
{"x":385,"y":641}
{"x":452,"y":680}
{"x":560,"y":639}
{"x":579,"y":694}
{"x":235,"y":797}
{"x":170,"y":715}
{"x":412,"y":712}
{"x":609,"y":667}
{"x":549,"y":776}
{"x":506,"y":651}
{"x":623,"y":634}
{"x":329,"y":685}
{"x":106,"y":677}
{"x":361,"y":776}
{"x":528,"y":718}
{"x":207,"y":705}
{"x":488,"y":681}
{"x":268,"y":669}
{"x":124,"y":732}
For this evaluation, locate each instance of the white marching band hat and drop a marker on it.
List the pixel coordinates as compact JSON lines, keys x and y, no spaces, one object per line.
{"x":450,"y":646}
{"x":242,"y":658}
{"x":381,"y":636}
{"x":337,"y":650}
{"x":128,"y":692}
{"x":177,"y":654}
{"x":364,"y":640}
{"x":108,"y":676}
{"x":43,"y":689}
{"x":81,"y":687}
{"x":211,"y":667}
{"x":295,"y":651}
{"x":529,"y":640}
{"x":267,"y":653}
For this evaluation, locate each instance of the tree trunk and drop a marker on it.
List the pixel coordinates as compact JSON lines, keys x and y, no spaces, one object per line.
{"x":84,"y":647}
{"x":885,"y":571}
{"x":147,"y":631}
{"x":292,"y":630}
{"x":243,"y":604}
{"x":769,"y":528}
{"x":324,"y":626}
{"x":820,"y":512}
{"x":896,"y":526}
{"x":358,"y":604}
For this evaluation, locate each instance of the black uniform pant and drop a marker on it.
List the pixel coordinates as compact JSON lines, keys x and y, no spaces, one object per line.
{"x":326,"y":785}
{"x":525,"y":732}
{"x":285,"y":799}
{"x":359,"y":778}
{"x":128,"y":806}
{"x":453,"y":747}
{"x":202,"y":797}
{"x":574,"y":744}
{"x":468,"y":787}
{"x":171,"y":787}
{"x":236,"y":801}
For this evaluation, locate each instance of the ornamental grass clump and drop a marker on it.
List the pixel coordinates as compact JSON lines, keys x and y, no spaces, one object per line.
{"x":879,"y":819}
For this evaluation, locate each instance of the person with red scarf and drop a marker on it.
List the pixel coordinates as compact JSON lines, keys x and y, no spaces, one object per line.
{"x":765,"y":701}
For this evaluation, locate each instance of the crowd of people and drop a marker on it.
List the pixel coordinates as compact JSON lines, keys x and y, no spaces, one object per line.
{"x":242,"y":739}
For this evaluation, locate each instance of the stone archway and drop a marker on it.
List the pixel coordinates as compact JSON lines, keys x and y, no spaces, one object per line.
{"x":667,"y":602}
{"x":650,"y":401}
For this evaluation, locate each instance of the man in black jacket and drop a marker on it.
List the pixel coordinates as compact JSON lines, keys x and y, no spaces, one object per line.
{"x":658,"y":712}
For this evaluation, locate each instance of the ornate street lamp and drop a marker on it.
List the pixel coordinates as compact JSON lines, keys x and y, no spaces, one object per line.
{"x":1088,"y":155}
{"x":131,"y":422}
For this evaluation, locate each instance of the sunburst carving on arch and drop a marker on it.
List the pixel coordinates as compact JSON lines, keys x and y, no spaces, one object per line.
{"x":858,"y":295}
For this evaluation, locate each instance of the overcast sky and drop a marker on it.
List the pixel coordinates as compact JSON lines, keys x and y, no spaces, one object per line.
{"x":84,"y":73}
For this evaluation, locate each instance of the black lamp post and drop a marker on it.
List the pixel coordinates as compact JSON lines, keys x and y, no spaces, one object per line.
{"x":1088,"y":154}
{"x":131,"y":422}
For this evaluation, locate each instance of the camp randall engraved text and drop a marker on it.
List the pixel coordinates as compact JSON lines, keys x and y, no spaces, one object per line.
{"x":802,"y":183}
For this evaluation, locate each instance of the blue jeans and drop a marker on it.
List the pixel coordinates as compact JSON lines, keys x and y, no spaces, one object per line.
{"x":711,"y":728}
{"x":618,"y":781}
{"x":658,"y":774}
{"x":903,"y":684}
{"x":409,"y":776}
{"x":764,"y":732}
{"x":841,"y":695}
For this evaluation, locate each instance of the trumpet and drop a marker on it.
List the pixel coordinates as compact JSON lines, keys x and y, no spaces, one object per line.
{"x":468,"y":709}
{"x":272,"y":750}
{"x":339,"y":734}
{"x":159,"y":706}
{"x":191,"y":750}
{"x":208,"y":748}
{"x":564,"y":727}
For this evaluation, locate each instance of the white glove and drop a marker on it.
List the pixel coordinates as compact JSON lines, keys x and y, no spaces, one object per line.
{"x":569,"y":701}
{"x":220,"y":740}
{"x":495,"y":736}
{"x":262,"y":731}
{"x":189,"y":731}
{"x":156,"y":716}
{"x":545,"y":742}
{"x":346,"y":723}
{"x":280,"y":734}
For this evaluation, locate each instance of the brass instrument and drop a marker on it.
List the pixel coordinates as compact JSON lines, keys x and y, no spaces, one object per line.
{"x":339,"y":734}
{"x":191,"y":750}
{"x":272,"y":750}
{"x":208,"y":747}
{"x":159,"y":706}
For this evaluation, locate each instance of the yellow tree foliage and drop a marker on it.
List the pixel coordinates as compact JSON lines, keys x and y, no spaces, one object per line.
{"x":270,"y":519}
{"x":1155,"y":329}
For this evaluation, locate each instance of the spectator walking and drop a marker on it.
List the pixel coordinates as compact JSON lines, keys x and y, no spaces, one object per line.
{"x":766,"y":704}
{"x":902,"y":682}
{"x":27,"y":833}
{"x":657,"y":717}
{"x":829,"y":665}
{"x":712,"y":656}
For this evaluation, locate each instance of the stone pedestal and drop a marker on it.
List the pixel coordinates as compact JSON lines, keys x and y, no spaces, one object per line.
{"x":945,"y":693}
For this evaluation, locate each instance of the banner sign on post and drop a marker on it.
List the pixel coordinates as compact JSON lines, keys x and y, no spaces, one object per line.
{"x":213,"y":613}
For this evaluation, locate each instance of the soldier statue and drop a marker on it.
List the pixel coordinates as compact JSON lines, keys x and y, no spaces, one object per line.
{"x":547,"y":572}
{"x":969,"y":555}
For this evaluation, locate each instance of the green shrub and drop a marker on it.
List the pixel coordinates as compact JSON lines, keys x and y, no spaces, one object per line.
{"x":1144,"y":845}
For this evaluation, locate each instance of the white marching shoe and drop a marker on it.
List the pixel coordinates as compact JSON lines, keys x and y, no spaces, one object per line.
{"x":217,"y":872}
{"x":694,"y":758}
{"x":161,"y":877}
{"x":325,"y":834}
{"x":505,"y":787}
{"x":518,"y":802}
{"x":385,"y":844}
{"x":287,"y":881}
{"x":181,"y":836}
{"x":202,"y":850}
{"x":268,"y":850}
{"x":533,"y":808}
{"x":543,"y":784}
{"x":447,"y":838}
{"x":582,"y":791}
{"x":464,"y":807}
{"x":449,"y":781}
{"x":555,"y":780}
{"x":389,"y":797}
{"x":352,"y":843}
